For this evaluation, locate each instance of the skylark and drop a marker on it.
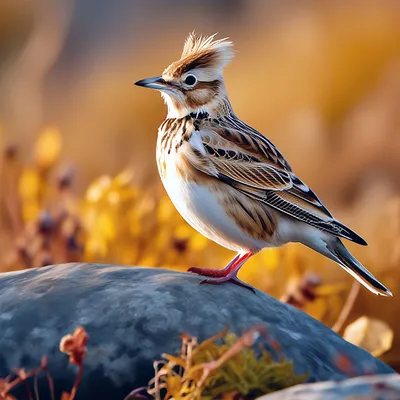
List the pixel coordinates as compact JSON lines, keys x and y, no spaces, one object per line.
{"x":228,"y":180}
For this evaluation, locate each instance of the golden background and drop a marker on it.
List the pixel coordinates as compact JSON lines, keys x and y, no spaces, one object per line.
{"x":78,"y":177}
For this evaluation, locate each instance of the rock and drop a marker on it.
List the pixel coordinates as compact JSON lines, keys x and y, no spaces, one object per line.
{"x":382,"y":387}
{"x":132,"y":315}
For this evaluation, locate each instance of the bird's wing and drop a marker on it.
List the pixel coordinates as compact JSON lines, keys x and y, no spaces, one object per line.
{"x":240,"y":156}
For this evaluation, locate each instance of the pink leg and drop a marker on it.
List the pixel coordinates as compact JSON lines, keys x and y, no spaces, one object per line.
{"x":228,"y":274}
{"x":215,"y":272}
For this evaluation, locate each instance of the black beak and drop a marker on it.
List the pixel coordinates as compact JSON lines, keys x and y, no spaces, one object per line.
{"x":153,"y":83}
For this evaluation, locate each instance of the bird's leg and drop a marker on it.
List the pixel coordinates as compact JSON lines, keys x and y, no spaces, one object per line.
{"x":228,"y":274}
{"x":215,"y":272}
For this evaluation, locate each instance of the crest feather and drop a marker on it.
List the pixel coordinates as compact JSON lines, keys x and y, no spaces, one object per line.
{"x":199,"y":45}
{"x":203,"y":55}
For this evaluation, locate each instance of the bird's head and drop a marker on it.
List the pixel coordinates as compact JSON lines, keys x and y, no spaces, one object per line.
{"x":194,"y":83}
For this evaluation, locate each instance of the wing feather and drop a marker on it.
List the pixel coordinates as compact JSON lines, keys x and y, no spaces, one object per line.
{"x":249,"y":162}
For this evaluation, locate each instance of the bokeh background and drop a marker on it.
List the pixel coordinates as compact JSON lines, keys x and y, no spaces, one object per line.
{"x":78,"y":175}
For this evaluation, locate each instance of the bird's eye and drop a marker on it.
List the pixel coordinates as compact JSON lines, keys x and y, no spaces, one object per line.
{"x":190,"y":80}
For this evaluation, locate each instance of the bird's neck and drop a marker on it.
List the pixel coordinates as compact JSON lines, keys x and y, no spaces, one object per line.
{"x":217,"y":107}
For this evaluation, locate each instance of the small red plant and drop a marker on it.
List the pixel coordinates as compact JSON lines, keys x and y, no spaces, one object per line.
{"x":22,"y":376}
{"x":75,"y":346}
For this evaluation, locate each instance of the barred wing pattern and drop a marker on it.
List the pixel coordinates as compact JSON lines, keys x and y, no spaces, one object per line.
{"x":246,"y":160}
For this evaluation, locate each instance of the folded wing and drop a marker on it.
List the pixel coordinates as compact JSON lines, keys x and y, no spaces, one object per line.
{"x":243,"y":158}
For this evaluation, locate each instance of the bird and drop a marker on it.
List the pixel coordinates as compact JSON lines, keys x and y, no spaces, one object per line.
{"x":229,"y":181}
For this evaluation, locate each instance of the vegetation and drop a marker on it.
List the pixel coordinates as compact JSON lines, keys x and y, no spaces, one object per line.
{"x":231,"y":369}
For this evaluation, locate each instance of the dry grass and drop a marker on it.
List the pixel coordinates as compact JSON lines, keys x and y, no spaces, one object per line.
{"x":222,"y":367}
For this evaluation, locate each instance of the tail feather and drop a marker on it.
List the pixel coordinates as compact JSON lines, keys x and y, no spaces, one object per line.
{"x":341,"y":255}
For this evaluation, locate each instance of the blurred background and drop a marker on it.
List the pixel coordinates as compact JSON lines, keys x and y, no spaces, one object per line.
{"x":78,"y":178}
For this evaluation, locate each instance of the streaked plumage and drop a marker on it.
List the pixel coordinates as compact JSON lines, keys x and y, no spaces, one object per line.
{"x":227,"y":179}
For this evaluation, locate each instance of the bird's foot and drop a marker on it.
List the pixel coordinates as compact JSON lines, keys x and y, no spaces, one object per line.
{"x":228,"y":274}
{"x":228,"y":278}
{"x":214,"y":273}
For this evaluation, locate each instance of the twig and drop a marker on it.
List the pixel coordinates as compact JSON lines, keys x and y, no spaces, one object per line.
{"x":246,"y":340}
{"x":138,"y":393}
{"x":35,"y":387}
{"x":351,"y":298}
{"x":49,"y":381}
{"x":28,"y":390}
{"x":76,"y":383}
{"x":51,"y":384}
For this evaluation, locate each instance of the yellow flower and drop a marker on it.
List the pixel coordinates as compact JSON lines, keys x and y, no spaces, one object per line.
{"x":123,"y":179}
{"x":105,"y":226}
{"x":29,"y":187}
{"x":113,"y":197}
{"x":149,"y":260}
{"x":48,"y":147}
{"x":29,"y":184}
{"x":198,"y":242}
{"x":271,"y":258}
{"x":165,"y":210}
{"x":183,"y":231}
{"x":97,"y":189}
{"x":95,"y":247}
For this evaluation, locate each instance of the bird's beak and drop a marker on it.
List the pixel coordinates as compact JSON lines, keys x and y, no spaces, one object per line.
{"x":153,"y":83}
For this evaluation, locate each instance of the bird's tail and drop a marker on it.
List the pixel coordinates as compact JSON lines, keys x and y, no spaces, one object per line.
{"x":338,"y":252}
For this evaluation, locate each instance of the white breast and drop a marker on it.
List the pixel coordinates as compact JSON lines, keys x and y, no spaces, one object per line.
{"x":200,"y":207}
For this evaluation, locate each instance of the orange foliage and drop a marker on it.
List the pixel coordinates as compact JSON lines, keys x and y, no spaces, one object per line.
{"x":320,"y":80}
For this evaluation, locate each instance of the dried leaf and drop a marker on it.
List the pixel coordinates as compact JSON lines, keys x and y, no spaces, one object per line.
{"x":75,"y":345}
{"x":371,"y":334}
{"x":175,"y":359}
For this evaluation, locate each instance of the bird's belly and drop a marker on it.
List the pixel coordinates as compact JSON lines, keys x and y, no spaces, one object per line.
{"x":200,"y":207}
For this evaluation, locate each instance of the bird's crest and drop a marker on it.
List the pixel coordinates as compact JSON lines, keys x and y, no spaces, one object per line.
{"x":202,"y":53}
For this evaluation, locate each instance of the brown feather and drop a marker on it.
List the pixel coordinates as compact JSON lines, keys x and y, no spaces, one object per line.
{"x":201,"y":52}
{"x":256,"y":169}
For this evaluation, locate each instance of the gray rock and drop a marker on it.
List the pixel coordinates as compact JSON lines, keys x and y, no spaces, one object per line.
{"x":132,"y":315}
{"x":382,"y":387}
